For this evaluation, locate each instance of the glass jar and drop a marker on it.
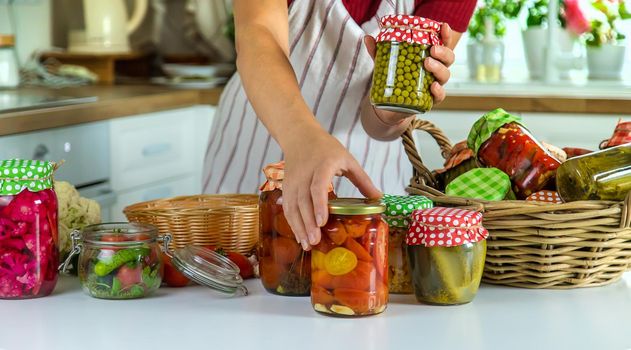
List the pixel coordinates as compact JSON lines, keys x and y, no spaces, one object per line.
{"x":9,"y":71}
{"x":446,"y":250}
{"x":119,"y":260}
{"x":284,"y":267}
{"x":602,"y":175}
{"x":397,"y":215}
{"x":500,"y":141}
{"x":124,"y":261}
{"x":400,"y":82}
{"x":350,"y":264}
{"x":29,"y":253}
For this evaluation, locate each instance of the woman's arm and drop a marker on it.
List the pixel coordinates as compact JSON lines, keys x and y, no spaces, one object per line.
{"x":312,"y":156}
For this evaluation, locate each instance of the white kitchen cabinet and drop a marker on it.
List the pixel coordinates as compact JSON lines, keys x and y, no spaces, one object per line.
{"x":158,"y":155}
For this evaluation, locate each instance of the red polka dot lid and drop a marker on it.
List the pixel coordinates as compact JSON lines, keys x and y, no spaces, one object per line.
{"x":411,"y":29}
{"x":445,"y":227}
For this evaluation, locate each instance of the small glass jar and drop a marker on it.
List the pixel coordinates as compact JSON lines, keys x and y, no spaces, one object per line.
{"x":446,"y":249}
{"x":284,"y":267}
{"x":400,"y":82}
{"x":29,"y":254}
{"x":124,"y":261}
{"x":350,"y":264}
{"x":9,"y":71}
{"x":500,"y":141}
{"x":120,"y":260}
{"x":602,"y":175}
{"x":397,"y":216}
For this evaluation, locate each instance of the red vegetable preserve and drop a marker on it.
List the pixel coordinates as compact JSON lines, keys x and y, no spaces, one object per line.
{"x":350,"y":264}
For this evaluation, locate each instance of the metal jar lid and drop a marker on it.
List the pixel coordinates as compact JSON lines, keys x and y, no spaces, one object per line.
{"x":355,"y":206}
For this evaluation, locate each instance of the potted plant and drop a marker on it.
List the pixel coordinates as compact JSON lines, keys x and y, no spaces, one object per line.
{"x":605,"y":43}
{"x":486,"y":29}
{"x":572,"y":22}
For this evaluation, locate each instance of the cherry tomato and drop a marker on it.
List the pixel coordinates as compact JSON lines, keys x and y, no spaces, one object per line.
{"x":357,"y":225}
{"x":340,"y":261}
{"x":336,"y":231}
{"x":270,"y":272}
{"x":173,"y":277}
{"x":129,"y":276}
{"x":285,"y":250}
{"x":325,"y":244}
{"x":358,"y":249}
{"x":246,"y":270}
{"x":322,"y":296}
{"x":281,"y":226}
{"x":360,"y":301}
{"x":113,"y":238}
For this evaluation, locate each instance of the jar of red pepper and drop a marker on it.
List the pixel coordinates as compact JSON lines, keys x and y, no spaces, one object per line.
{"x":28,"y":229}
{"x":501,"y":141}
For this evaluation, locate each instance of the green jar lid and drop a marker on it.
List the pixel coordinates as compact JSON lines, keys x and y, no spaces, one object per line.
{"x":18,"y":174}
{"x":355,"y":206}
{"x":486,"y":126}
{"x":489,"y":184}
{"x":399,"y":208}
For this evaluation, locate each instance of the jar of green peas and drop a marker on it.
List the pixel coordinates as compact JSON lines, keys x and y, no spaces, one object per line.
{"x":400,"y":82}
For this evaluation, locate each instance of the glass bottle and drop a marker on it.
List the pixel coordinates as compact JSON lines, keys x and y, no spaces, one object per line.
{"x":400,"y":82}
{"x":350,"y":264}
{"x":285,"y":268}
{"x":602,"y":175}
{"x":9,"y":71}
{"x":29,"y":253}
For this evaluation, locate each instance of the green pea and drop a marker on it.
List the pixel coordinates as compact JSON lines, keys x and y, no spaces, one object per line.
{"x":397,"y":91}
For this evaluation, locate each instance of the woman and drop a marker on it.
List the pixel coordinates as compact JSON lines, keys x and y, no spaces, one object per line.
{"x":304,"y":69}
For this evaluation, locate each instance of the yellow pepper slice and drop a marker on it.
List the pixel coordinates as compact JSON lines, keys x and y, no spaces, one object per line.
{"x":340,"y":261}
{"x":317,"y":260}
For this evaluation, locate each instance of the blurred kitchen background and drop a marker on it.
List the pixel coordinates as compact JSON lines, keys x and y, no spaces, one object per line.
{"x":121,"y":106}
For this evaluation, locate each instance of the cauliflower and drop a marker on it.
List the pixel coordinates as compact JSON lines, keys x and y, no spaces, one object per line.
{"x":75,"y":212}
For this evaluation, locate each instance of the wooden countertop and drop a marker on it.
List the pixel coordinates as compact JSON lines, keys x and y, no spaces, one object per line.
{"x":113,"y":102}
{"x":125,"y":100}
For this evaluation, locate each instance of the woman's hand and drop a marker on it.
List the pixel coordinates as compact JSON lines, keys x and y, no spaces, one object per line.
{"x":441,"y":58}
{"x":312,"y":159}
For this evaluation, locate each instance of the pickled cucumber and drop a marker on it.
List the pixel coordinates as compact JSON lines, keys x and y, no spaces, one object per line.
{"x":447,"y":275}
{"x":400,"y":81}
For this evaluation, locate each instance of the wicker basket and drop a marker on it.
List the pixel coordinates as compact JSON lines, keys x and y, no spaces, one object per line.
{"x":538,"y":245}
{"x":228,"y":221}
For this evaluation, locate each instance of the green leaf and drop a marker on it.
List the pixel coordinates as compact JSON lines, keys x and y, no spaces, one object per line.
{"x":116,"y":286}
{"x":624,"y":12}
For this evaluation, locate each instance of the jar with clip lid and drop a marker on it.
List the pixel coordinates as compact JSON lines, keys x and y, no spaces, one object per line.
{"x":124,"y":261}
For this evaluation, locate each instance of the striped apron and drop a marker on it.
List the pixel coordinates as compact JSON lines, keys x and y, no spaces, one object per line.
{"x":334,"y":72}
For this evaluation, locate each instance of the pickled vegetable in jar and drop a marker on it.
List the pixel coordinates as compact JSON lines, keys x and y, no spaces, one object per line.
{"x":284,"y":267}
{"x":29,"y":254}
{"x":400,"y":82}
{"x":446,"y":249}
{"x":500,"y":141}
{"x":350,"y":264}
{"x":602,"y":175}
{"x":119,"y":260}
{"x":397,"y":216}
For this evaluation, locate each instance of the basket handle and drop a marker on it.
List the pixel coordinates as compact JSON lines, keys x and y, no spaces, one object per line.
{"x":625,"y":216}
{"x":421,"y":172}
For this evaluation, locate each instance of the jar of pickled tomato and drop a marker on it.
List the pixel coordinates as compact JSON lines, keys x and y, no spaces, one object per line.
{"x":350,"y":264}
{"x":284,"y":267}
{"x":400,"y":82}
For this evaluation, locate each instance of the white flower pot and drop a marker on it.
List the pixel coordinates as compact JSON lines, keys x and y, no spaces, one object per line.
{"x":535,"y":47}
{"x":605,"y":61}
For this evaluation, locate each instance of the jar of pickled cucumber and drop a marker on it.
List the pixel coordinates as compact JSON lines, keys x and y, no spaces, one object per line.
{"x":603,"y":175}
{"x":400,"y":82}
{"x":446,"y":249}
{"x":350,"y":264}
{"x":397,"y":216}
{"x":285,"y":268}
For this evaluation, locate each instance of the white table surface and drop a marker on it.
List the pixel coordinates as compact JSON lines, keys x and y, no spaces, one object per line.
{"x":196,"y":318}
